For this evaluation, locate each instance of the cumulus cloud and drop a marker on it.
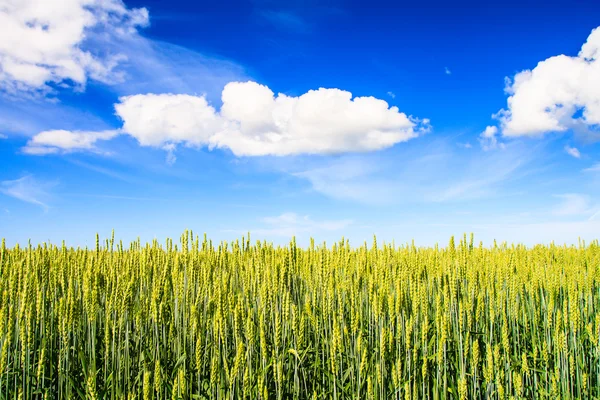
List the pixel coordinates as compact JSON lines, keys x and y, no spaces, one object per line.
{"x":489,"y":140}
{"x":253,"y":121}
{"x":560,"y":93}
{"x":50,"y":42}
{"x":62,"y":141}
{"x":159,"y":119}
{"x":573,"y":151}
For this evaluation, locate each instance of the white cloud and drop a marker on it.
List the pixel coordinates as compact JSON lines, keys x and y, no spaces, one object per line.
{"x":62,"y":141}
{"x":3,"y":136}
{"x":159,"y":119}
{"x":550,"y":97}
{"x":572,"y":151}
{"x":426,"y":172}
{"x":352,"y":178}
{"x":27,"y":189}
{"x":254,"y":122}
{"x":483,"y":179}
{"x":171,"y":157}
{"x":489,"y":140}
{"x":447,"y":71}
{"x":43,"y":116}
{"x":319,"y":121}
{"x":55,"y":42}
{"x":391,"y":94}
{"x":161,"y":67}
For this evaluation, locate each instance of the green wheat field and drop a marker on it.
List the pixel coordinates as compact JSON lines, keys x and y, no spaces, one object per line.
{"x":249,"y":320}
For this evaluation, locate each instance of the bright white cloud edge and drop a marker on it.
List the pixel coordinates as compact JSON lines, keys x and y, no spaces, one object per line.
{"x":488,"y":139}
{"x":252,"y":121}
{"x":47,"y":43}
{"x":559,"y":94}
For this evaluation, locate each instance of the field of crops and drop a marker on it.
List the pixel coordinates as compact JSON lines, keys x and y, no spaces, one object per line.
{"x":249,"y":320}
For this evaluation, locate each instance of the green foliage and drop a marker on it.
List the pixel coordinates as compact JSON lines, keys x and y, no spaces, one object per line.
{"x":191,"y":321}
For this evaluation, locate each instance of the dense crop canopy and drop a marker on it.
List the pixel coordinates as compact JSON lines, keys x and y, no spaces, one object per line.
{"x":237,"y":320}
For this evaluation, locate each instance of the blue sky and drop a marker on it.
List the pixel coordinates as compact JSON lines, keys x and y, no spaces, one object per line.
{"x":326,"y":119}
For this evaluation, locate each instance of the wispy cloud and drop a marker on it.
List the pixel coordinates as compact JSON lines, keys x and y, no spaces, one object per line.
{"x":61,"y":141}
{"x":572,"y":151}
{"x":3,"y":136}
{"x":489,"y":139}
{"x":48,"y":116}
{"x":447,"y":71}
{"x":428,"y":171}
{"x":116,"y":197}
{"x":593,"y":168}
{"x":574,"y":204}
{"x":28,"y":189}
{"x":104,"y":171}
{"x":143,"y":65}
{"x":351,"y":178}
{"x":391,"y":94}
{"x":561,"y":93}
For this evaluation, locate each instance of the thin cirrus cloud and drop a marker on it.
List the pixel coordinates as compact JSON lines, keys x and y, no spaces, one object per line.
{"x":27,"y":189}
{"x":576,"y":204}
{"x":161,"y":67}
{"x":593,"y":168}
{"x":560,"y":93}
{"x":443,"y":174}
{"x":253,"y":121}
{"x":52,"y":46}
{"x":46,"y":44}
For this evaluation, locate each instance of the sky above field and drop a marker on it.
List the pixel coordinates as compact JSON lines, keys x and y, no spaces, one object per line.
{"x":330,"y":119}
